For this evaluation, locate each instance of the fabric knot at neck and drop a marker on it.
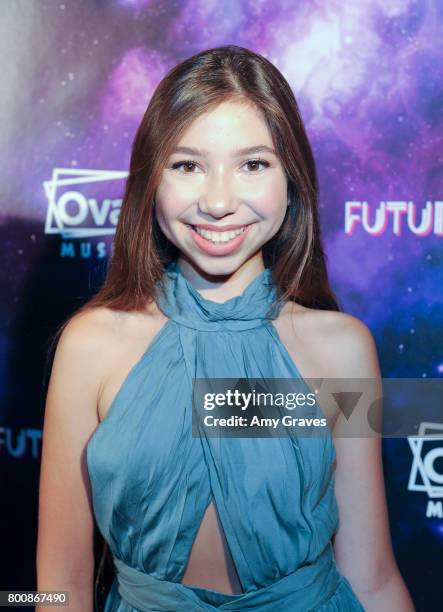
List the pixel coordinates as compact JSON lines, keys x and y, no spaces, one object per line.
{"x":181,"y":302}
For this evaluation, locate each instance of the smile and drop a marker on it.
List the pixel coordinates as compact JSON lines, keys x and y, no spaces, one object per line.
{"x":219,"y":243}
{"x":218,"y":237}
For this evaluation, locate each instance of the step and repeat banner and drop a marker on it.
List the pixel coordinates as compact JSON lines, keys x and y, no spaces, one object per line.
{"x":368,"y":77}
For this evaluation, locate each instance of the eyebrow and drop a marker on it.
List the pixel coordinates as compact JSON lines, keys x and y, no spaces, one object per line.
{"x":236,"y":153}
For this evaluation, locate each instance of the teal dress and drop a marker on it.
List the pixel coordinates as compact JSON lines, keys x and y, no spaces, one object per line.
{"x":152,"y":480}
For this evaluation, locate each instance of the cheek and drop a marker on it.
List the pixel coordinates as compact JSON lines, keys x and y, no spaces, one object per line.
{"x":169,"y":202}
{"x":271,"y":200}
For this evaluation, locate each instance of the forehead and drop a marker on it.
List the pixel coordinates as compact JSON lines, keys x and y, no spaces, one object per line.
{"x":230,"y":123}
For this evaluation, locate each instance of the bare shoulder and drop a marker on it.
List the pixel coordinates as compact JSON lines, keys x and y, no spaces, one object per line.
{"x":97,"y":330}
{"x":327,"y":322}
{"x":82,"y":339}
{"x":342,"y":341}
{"x":119,"y":340}
{"x":351,"y":343}
{"x":100,"y":336}
{"x":84,"y":342}
{"x":85,"y":328}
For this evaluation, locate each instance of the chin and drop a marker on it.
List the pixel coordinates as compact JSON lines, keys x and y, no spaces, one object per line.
{"x":215,"y":266}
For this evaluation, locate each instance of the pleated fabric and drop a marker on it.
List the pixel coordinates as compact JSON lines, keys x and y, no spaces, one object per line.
{"x":152,"y":481}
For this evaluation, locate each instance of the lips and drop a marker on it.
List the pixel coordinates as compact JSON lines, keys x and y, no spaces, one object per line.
{"x":219,"y":228}
{"x":219,"y":248}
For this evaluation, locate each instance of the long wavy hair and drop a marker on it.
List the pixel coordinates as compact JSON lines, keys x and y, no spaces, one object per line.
{"x":195,"y":86}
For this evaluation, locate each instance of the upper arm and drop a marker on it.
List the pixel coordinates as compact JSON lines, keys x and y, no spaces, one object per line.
{"x":65,"y":518}
{"x":362,"y":544}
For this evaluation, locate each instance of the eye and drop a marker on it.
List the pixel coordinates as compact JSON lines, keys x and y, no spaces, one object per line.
{"x":187,"y":163}
{"x":187,"y":166}
{"x":255,"y":163}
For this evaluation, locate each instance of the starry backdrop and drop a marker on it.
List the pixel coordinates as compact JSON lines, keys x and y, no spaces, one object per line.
{"x":76,"y":80}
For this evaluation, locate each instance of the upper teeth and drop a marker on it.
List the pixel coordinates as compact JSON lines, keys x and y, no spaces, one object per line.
{"x":219,"y":236}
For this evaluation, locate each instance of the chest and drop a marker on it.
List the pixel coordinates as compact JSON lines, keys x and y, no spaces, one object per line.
{"x":307,"y":349}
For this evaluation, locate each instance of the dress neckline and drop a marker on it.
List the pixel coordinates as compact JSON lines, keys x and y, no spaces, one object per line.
{"x":179,"y":300}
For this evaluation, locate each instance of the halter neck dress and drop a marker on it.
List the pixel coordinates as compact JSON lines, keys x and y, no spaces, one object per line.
{"x":151,"y":480}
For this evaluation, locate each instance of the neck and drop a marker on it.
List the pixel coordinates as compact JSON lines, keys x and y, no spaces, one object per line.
{"x":220,"y":287}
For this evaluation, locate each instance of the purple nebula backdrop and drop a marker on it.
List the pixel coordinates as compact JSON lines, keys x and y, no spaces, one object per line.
{"x":77,"y":77}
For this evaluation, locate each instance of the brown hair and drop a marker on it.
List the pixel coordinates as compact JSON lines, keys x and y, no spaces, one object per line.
{"x":195,"y":86}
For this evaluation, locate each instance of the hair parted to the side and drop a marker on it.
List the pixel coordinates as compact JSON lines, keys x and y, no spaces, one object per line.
{"x":195,"y":86}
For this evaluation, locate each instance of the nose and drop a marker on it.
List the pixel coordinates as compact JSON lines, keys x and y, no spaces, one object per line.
{"x":217,"y":198}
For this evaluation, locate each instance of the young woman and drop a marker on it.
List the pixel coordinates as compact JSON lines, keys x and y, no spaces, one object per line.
{"x":217,"y":272}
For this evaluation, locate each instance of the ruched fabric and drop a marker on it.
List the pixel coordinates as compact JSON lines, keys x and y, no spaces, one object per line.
{"x":152,"y":481}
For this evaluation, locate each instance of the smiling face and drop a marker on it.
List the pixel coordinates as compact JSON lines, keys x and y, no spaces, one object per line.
{"x":223,"y":193}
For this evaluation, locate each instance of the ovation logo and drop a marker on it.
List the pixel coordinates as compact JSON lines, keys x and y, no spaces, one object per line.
{"x":74,"y":208}
{"x":424,"y":476}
